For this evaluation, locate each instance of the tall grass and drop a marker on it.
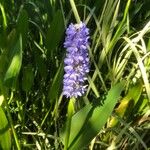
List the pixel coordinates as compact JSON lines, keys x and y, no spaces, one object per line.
{"x":114,"y":112}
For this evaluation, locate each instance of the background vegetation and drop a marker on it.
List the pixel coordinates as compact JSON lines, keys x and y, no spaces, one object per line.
{"x":114,"y":113}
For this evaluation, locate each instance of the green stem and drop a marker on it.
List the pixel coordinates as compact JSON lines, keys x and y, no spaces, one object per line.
{"x":121,"y":24}
{"x":69,"y":118}
{"x":74,"y":9}
{"x":10,"y":121}
{"x":4,"y":17}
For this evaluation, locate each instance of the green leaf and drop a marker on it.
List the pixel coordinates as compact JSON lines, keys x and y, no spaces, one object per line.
{"x":5,"y":138}
{"x":129,"y":104}
{"x":28,"y":78}
{"x":41,"y":64}
{"x":87,"y":123}
{"x":15,"y":63}
{"x":22,"y":25}
{"x":56,"y":84}
{"x":135,"y":93}
{"x":55,"y":33}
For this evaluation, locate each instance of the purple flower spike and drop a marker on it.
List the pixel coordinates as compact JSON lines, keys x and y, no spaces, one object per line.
{"x":76,"y":61}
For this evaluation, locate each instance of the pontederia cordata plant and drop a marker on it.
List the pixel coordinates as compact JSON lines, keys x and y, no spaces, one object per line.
{"x":74,"y":74}
{"x":76,"y":69}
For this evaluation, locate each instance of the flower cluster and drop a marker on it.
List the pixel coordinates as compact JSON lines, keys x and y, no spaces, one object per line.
{"x":76,"y":61}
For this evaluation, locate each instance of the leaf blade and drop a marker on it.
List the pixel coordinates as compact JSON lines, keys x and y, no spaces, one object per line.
{"x":15,"y":64}
{"x":5,"y":138}
{"x":83,"y":132}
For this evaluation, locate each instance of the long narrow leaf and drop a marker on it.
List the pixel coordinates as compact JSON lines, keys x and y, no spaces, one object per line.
{"x":15,"y":63}
{"x":5,"y":139}
{"x":88,"y":122}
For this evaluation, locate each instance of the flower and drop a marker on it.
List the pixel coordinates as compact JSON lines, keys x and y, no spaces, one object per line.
{"x":76,"y":61}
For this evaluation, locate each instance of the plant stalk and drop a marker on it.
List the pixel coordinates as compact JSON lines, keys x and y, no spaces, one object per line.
{"x":11,"y":122}
{"x":74,"y":9}
{"x":69,"y":119}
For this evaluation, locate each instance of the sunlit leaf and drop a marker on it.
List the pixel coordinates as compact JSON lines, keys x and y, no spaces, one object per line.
{"x":15,"y":63}
{"x":5,"y":138}
{"x":127,"y":104}
{"x":88,"y":122}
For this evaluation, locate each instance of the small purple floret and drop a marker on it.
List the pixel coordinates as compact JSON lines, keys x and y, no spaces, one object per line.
{"x":76,"y":61}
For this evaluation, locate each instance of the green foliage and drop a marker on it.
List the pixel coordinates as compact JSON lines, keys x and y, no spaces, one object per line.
{"x":128,"y":104}
{"x":54,"y":34}
{"x":31,"y":75}
{"x":55,"y":87}
{"x":85,"y":124}
{"x":28,"y":78}
{"x":5,"y":138}
{"x":15,"y":63}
